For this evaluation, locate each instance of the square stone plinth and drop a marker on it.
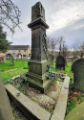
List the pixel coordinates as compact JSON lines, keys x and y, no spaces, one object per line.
{"x":36,"y":82}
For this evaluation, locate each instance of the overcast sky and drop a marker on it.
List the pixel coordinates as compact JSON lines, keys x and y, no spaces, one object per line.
{"x":64,"y":17}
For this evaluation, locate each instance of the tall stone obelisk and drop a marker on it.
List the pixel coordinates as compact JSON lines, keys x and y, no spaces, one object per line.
{"x":38,"y":63}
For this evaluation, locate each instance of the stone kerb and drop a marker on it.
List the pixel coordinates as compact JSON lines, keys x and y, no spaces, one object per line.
{"x":28,"y":107}
{"x":31,"y":109}
{"x":5,"y":107}
{"x":60,"y":108}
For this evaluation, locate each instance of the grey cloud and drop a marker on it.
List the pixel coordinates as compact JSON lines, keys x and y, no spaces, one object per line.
{"x":53,"y":8}
{"x":71,"y":35}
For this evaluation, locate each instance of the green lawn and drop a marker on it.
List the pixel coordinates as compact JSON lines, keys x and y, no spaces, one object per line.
{"x":8,"y":65}
{"x":77,"y":113}
{"x":7,"y":70}
{"x":67,"y":70}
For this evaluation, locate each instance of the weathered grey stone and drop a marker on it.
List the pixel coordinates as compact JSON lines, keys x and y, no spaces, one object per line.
{"x":38,"y":63}
{"x":5,"y":108}
{"x":60,"y":62}
{"x":29,"y":108}
{"x":38,"y":11}
{"x":60,"y":108}
{"x":78,"y":70}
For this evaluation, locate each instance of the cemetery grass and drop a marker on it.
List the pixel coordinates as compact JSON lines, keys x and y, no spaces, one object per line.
{"x":75,"y":98}
{"x":67,"y":70}
{"x":77,"y":113}
{"x":17,"y":64}
{"x":74,"y":101}
{"x":7,"y":70}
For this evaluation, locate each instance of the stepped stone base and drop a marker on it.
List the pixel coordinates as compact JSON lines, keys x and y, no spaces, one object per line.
{"x":37,"y":82}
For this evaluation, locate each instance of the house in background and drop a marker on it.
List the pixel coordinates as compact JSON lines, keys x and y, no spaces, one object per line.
{"x":19,"y":51}
{"x":2,"y":57}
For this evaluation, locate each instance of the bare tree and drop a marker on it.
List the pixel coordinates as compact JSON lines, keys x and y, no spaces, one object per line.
{"x":60,"y":45}
{"x":78,"y":50}
{"x":82,"y":50}
{"x":52,"y":44}
{"x":63,"y":49}
{"x":9,"y":14}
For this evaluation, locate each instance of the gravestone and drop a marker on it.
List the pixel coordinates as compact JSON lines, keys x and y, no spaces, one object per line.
{"x":5,"y":108}
{"x":60,"y":62}
{"x":38,"y":63}
{"x":78,"y":71}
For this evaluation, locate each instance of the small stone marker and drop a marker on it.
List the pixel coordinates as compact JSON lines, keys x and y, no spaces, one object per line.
{"x":5,"y":108}
{"x":78,"y":70}
{"x":60,"y":62}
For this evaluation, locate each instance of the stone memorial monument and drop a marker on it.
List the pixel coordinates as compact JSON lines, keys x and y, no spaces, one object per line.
{"x":38,"y":63}
{"x":5,"y":108}
{"x":78,"y":71}
{"x":60,"y":62}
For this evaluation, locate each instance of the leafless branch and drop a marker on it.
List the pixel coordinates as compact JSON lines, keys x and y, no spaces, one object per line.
{"x":9,"y":14}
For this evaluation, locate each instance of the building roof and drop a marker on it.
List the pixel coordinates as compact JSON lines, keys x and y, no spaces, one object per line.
{"x":2,"y":55}
{"x":18,"y":47}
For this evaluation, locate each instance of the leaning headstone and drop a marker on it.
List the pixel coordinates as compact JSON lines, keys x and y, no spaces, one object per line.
{"x":5,"y":108}
{"x":38,"y":63}
{"x":78,"y":71}
{"x":60,"y":62}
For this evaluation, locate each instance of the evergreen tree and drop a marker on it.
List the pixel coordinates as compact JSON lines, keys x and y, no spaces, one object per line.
{"x":4,"y":44}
